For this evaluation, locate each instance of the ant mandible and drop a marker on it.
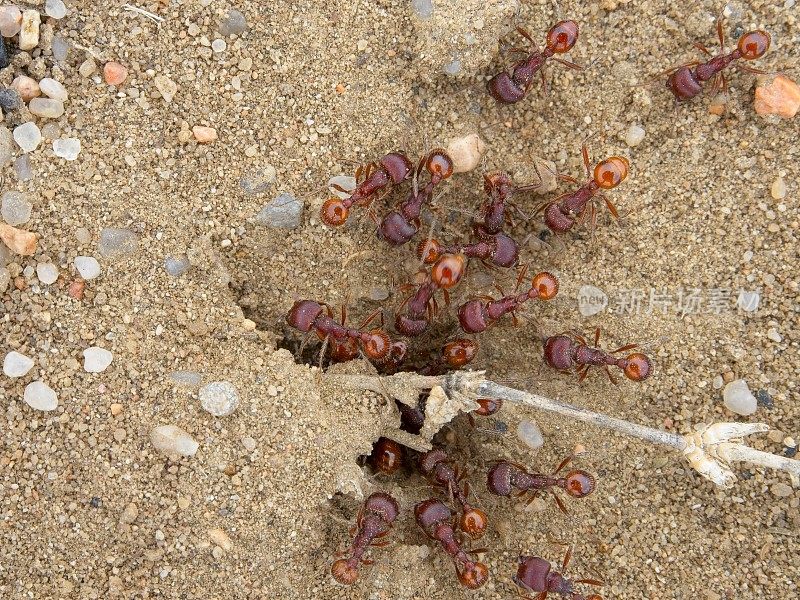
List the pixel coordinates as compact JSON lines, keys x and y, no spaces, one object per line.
{"x":510,"y":88}
{"x":567,"y":353}
{"x":535,"y":574}
{"x":561,"y":214}
{"x":686,"y":81}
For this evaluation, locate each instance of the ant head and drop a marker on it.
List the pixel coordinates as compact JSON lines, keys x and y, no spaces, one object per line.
{"x":638,"y":367}
{"x":429,"y":251}
{"x":377,"y":344}
{"x":387,"y":456}
{"x":448,"y":270}
{"x":546,"y":285}
{"x":408,"y":326}
{"x":609,"y":173}
{"x":473,"y":522}
{"x":493,"y":181}
{"x":334,"y":213}
{"x":562,"y":36}
{"x":488,"y":406}
{"x":302,"y":315}
{"x":579,"y":483}
{"x":754,"y":44}
{"x":344,"y":572}
{"x":474,"y":576}
{"x":459,"y":353}
{"x":439,"y":164}
{"x":429,"y":460}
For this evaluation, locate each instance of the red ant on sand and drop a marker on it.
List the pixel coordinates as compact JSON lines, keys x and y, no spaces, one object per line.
{"x":505,"y":477}
{"x":510,"y":88}
{"x":386,"y":456}
{"x":434,"y":518}
{"x":306,"y":315}
{"x":561,"y":214}
{"x":499,"y":188}
{"x":434,"y":465}
{"x":567,"y":353}
{"x":379,"y":177}
{"x":475,"y":316}
{"x":499,"y":250}
{"x":686,"y":81}
{"x":374,"y":521}
{"x":535,"y":574}
{"x":400,"y":225}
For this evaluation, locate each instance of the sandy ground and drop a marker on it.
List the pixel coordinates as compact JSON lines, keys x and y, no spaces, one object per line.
{"x":697,"y":214}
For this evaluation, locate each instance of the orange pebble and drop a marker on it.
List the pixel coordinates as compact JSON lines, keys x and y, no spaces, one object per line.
{"x":777,"y":95}
{"x":114,"y":73}
{"x":204,"y":135}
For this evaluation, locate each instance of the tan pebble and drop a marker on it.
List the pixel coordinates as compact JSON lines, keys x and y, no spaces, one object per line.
{"x":777,"y":95}
{"x":578,"y":450}
{"x":466,"y":152}
{"x":76,"y":288}
{"x":717,"y":105}
{"x":204,"y":135}
{"x":249,"y":325}
{"x":114,"y":73}
{"x":727,"y":376}
{"x":781,"y":490}
{"x":116,"y":409}
{"x":17,"y":240}
{"x":87,"y":68}
{"x":778,"y":189}
{"x":10,"y":21}
{"x":29,"y":31}
{"x":217,"y":552}
{"x":340,"y":88}
{"x":184,"y":135}
{"x":183,"y":502}
{"x":219,"y":538}
{"x":130,"y":513}
{"x":775,"y":435}
{"x":26,"y":87}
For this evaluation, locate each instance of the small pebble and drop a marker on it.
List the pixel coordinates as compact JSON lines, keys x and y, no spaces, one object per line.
{"x":204,"y":135}
{"x":82,"y":235}
{"x":717,"y":383}
{"x":9,"y":99}
{"x":177,"y":266}
{"x":249,"y":443}
{"x":738,"y":398}
{"x":219,"y":538}
{"x":22,"y":167}
{"x":46,"y":108}
{"x":16,"y":364}
{"x":748,"y":301}
{"x":96,"y":360}
{"x":29,"y":31}
{"x":773,"y":335}
{"x":87,"y":68}
{"x":764,"y":399}
{"x":283,"y":212}
{"x":116,"y":409}
{"x":778,"y":189}
{"x":422,"y":8}
{"x":67,"y":148}
{"x":233,"y":24}
{"x":60,"y":48}
{"x":634,"y":135}
{"x":55,"y":9}
{"x":28,"y":136}
{"x":777,"y":95}
{"x":27,"y":87}
{"x":129,"y":514}
{"x":6,"y":146}
{"x":781,"y":490}
{"x":87,"y":267}
{"x":47,"y":273}
{"x":15,"y":208}
{"x":114,"y":73}
{"x":188,"y":378}
{"x":466,"y":152}
{"x":529,"y":434}
{"x":258,"y":180}
{"x":219,"y":398}
{"x":218,"y":45}
{"x":10,"y":21}
{"x":166,"y":87}
{"x":40,"y":396}
{"x":116,"y":243}
{"x":171,"y":439}
{"x":53,"y":89}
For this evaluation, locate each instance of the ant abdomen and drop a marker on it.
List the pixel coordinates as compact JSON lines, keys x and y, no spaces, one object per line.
{"x":558,"y":352}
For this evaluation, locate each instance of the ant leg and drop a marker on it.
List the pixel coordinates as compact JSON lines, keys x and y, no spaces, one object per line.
{"x":568,"y":63}
{"x":567,"y":178}
{"x":589,"y":581}
{"x":611,"y":378}
{"x":751,"y":69}
{"x":563,"y":463}
{"x":567,"y":558}
{"x":624,"y":348}
{"x":720,"y":34}
{"x":583,"y":374}
{"x":702,"y":48}
{"x":596,"y":336}
{"x":610,"y":206}
{"x":585,"y":153}
{"x":371,"y":317}
{"x":525,"y":34}
{"x":560,"y":504}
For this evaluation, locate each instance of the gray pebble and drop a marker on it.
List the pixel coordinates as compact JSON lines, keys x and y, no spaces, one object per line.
{"x":23,"y":169}
{"x":177,"y":265}
{"x":116,"y":243}
{"x":284,"y":212}
{"x":422,"y":8}
{"x":258,"y":181}
{"x":234,"y":24}
{"x":9,"y":100}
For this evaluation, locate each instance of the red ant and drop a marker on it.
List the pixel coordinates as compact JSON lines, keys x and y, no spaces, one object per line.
{"x":400,"y":225}
{"x":386,"y":456}
{"x":475,"y":316}
{"x":459,"y":352}
{"x":434,"y":517}
{"x":510,"y":88}
{"x":499,"y":250}
{"x":412,"y":418}
{"x":434,"y":465}
{"x":561,"y":214}
{"x":487,"y":408}
{"x":307,"y":314}
{"x":446,"y":273}
{"x":391,"y":170}
{"x":504,"y":477}
{"x":686,"y":82}
{"x":499,"y":187}
{"x":374,"y":521}
{"x":566,"y":353}
{"x":535,"y":574}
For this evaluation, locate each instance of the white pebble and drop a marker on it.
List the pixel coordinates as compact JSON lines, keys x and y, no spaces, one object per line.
{"x":717,"y":382}
{"x":466,"y":152}
{"x":53,"y":89}
{"x":249,"y":443}
{"x":55,"y":9}
{"x":46,"y":108}
{"x":14,"y":208}
{"x":218,"y":45}
{"x":96,"y":359}
{"x":529,"y":434}
{"x":40,"y":396}
{"x":29,"y":33}
{"x":87,"y":266}
{"x":68,"y":148}
{"x":219,"y":398}
{"x":634,"y":135}
{"x":171,"y":439}
{"x":748,"y":301}
{"x":47,"y":273}
{"x":16,"y":364}
{"x":28,"y":136}
{"x":739,"y":399}
{"x":773,"y":334}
